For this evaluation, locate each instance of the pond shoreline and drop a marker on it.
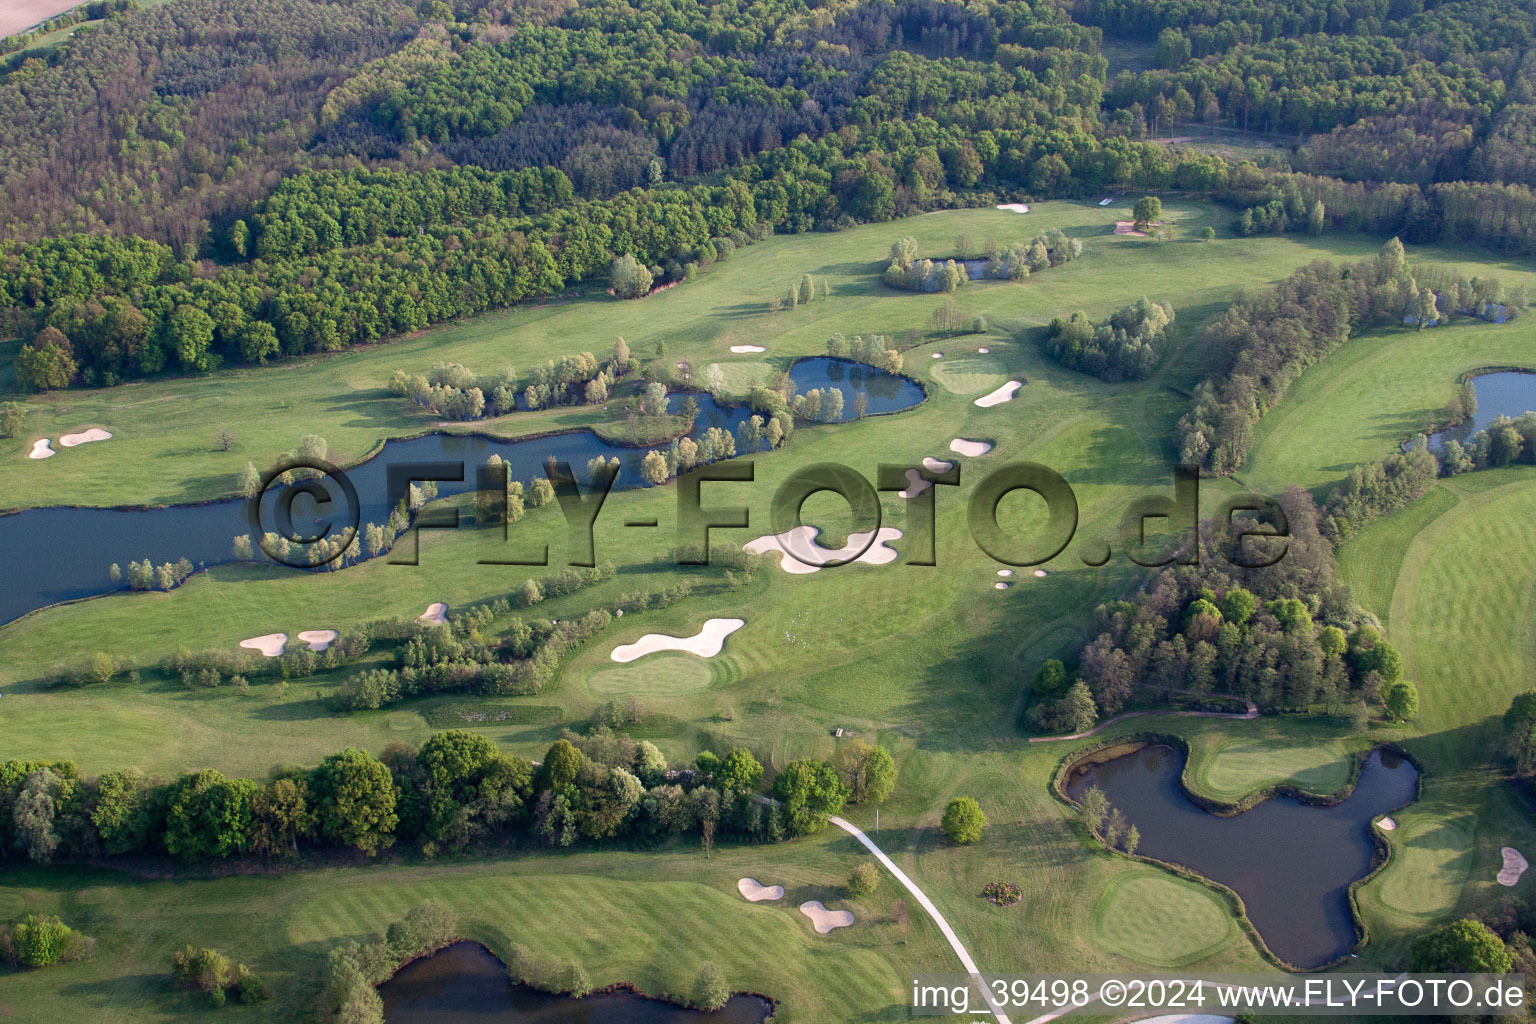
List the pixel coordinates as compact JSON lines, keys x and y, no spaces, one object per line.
{"x":548,"y":999}
{"x":1073,"y":763}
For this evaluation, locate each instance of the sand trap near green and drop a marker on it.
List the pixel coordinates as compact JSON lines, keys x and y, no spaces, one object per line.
{"x":706,"y":643}
{"x":1431,"y":858}
{"x":661,"y":675}
{"x":969,"y":374}
{"x":825,"y":920}
{"x":1158,"y":919}
{"x":800,"y":555}
{"x":1000,"y":395}
{"x":271,"y":644}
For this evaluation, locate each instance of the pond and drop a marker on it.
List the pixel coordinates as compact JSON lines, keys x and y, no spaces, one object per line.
{"x":1291,"y":862}
{"x":465,"y":983}
{"x":50,"y":555}
{"x":1505,"y":393}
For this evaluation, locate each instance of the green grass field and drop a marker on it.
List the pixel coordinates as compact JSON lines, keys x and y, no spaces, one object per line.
{"x":927,"y":660}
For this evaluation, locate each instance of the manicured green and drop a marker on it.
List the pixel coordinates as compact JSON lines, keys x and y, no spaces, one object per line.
{"x":1431,"y":859}
{"x":1158,"y":919}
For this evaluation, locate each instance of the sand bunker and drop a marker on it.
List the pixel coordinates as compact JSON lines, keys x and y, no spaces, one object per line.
{"x":436,"y":614}
{"x":743,"y":349}
{"x":1005,"y":572}
{"x":937,"y":465}
{"x":825,"y":920}
{"x":85,"y":437}
{"x":938,"y":355}
{"x":803,"y":555}
{"x":983,"y":350}
{"x":271,"y":645}
{"x":1001,"y":395}
{"x":1514,"y":866}
{"x":915,"y":485}
{"x":40,"y":450}
{"x":971,"y":448}
{"x":1041,"y":573}
{"x":1386,"y":825}
{"x":1128,"y":227}
{"x":318,"y":639}
{"x":757,"y":892}
{"x":1014,"y":207}
{"x":706,"y":643}
{"x":1000,"y":586}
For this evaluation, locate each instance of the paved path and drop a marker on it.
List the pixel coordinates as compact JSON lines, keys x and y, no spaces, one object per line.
{"x":927,"y":904}
{"x":1252,"y":712}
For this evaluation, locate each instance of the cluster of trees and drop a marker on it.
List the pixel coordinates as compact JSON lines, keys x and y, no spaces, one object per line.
{"x":1507,"y":440}
{"x":1011,"y":262}
{"x":466,"y":657}
{"x":1284,"y":636}
{"x":455,"y":791}
{"x":452,"y":391}
{"x":1107,"y":823}
{"x":1265,"y":340}
{"x":1492,"y":215}
{"x":146,"y":575}
{"x":803,"y":292}
{"x":875,"y":350}
{"x":1376,"y":489}
{"x":218,"y":976}
{"x":1127,"y":346}
{"x":712,"y":445}
{"x":354,"y":971}
{"x":1520,"y":732}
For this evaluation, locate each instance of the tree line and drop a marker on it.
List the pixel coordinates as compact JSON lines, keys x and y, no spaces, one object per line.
{"x":1265,"y":340}
{"x":454,"y":792}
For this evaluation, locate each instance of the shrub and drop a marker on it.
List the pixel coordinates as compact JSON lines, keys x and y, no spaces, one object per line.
{"x":1002,"y":894}
{"x":709,"y":989}
{"x":864,"y":880}
{"x":42,"y":940}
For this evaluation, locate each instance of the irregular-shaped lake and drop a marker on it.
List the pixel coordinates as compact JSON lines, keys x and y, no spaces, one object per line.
{"x":1291,"y":862}
{"x":49,"y":555}
{"x":1505,"y":393}
{"x":466,"y":984}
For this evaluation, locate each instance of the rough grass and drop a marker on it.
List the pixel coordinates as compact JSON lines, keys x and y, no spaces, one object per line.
{"x":1375,"y":392}
{"x":1155,"y":918}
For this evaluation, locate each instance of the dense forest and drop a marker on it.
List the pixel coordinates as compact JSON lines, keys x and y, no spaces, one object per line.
{"x":211,"y":182}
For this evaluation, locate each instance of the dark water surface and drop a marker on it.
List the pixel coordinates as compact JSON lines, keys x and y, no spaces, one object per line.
{"x":59,"y":554}
{"x":466,"y":984}
{"x":1292,"y":863}
{"x":1506,"y":393}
